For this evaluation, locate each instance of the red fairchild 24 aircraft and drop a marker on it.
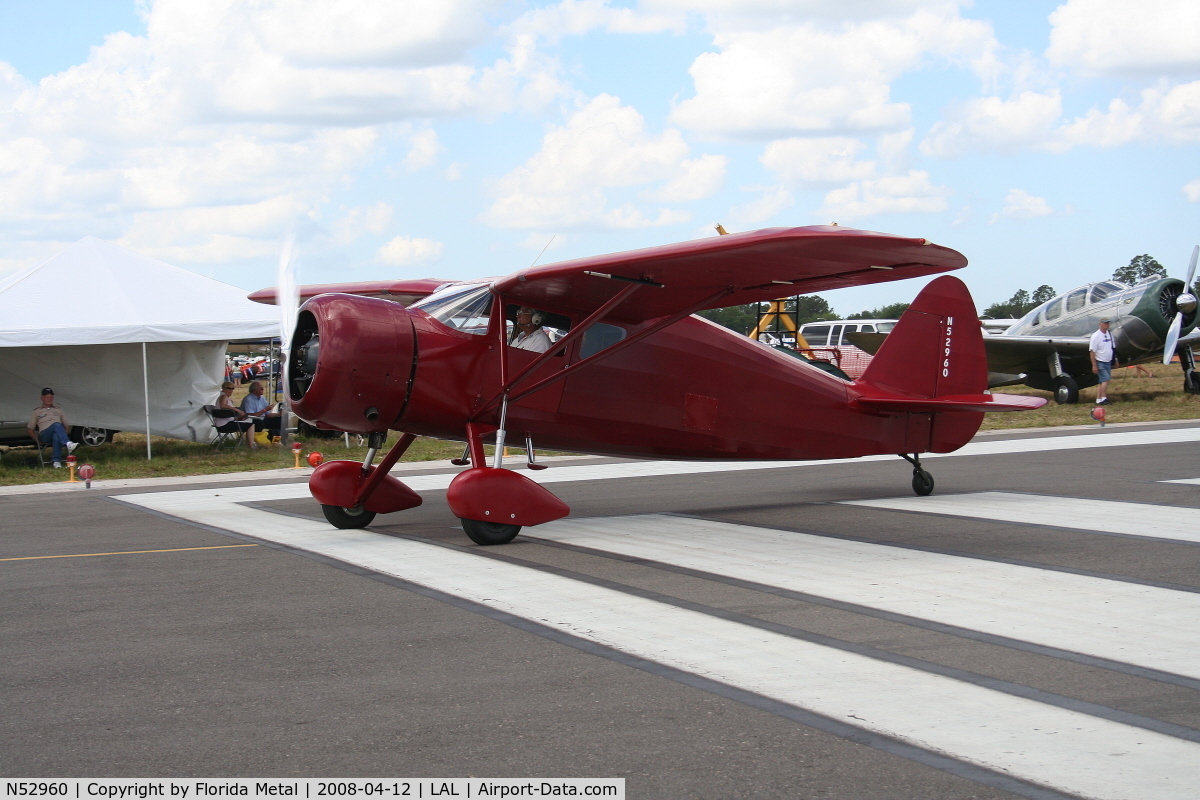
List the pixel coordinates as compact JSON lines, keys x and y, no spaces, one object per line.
{"x":634,"y":374}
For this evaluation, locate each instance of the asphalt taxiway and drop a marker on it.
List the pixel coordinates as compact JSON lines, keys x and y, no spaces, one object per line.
{"x":702,"y":630}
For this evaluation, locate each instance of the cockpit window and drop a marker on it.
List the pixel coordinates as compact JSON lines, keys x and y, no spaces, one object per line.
{"x":1103,"y":290}
{"x":1077,"y":299}
{"x":1054,"y":310}
{"x":465,"y":308}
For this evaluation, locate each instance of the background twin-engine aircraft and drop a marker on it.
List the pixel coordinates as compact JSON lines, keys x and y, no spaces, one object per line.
{"x":634,"y":373}
{"x":1048,"y":348}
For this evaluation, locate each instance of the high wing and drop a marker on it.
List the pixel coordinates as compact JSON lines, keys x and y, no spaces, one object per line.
{"x":1006,"y":354}
{"x":403,"y":292}
{"x":726,"y":270}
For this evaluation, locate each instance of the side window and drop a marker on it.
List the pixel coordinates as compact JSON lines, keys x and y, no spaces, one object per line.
{"x":867,"y":329}
{"x":1054,"y":310}
{"x":599,"y":337}
{"x":816,"y":336}
{"x":1103,"y":290}
{"x":835,"y":335}
{"x":1076,"y":299}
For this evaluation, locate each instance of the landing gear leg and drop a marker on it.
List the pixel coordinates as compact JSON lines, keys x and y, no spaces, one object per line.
{"x":922,"y":481}
{"x":1191,"y":378}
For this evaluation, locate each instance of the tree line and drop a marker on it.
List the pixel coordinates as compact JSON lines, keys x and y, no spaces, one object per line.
{"x":811,"y":308}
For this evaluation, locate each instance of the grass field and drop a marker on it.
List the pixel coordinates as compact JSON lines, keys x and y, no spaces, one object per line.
{"x":1136,"y":399}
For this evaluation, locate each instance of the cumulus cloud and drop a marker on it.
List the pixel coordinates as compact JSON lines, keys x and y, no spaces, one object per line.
{"x":234,"y":110}
{"x":771,"y":201}
{"x":893,"y":194}
{"x":579,"y":17}
{"x":1115,"y":37}
{"x":816,"y":162}
{"x":1191,"y":190}
{"x":992,"y":124}
{"x":821,"y":77}
{"x":1019,"y":204}
{"x":423,"y":150}
{"x":404,"y":251}
{"x":697,"y":179}
{"x":603,"y":146}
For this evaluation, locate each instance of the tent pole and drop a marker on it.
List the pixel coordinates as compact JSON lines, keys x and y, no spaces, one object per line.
{"x":146,"y":391}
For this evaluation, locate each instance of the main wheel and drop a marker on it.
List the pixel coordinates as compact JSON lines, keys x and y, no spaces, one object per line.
{"x":347,"y":517}
{"x":490,"y":532}
{"x":1066,"y":390}
{"x":922,"y":482}
{"x":1191,"y":383}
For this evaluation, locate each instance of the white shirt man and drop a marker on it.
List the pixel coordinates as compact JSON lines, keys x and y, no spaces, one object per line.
{"x":530,"y":336}
{"x":1104,"y":358}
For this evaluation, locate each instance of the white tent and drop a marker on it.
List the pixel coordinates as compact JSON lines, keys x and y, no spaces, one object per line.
{"x":126,"y":342}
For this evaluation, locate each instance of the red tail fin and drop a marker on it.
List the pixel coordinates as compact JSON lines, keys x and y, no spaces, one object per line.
{"x":935,"y":349}
{"x":933,"y":364}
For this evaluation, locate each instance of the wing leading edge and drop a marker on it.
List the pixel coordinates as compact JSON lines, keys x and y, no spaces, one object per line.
{"x":727,"y":270}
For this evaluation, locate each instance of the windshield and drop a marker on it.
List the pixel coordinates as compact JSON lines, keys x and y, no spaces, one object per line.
{"x":465,"y":308}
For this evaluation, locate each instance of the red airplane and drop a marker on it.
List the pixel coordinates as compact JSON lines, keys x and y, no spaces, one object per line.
{"x":634,"y":374}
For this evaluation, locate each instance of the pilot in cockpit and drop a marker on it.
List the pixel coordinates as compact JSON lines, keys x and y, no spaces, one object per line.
{"x":528,"y":333}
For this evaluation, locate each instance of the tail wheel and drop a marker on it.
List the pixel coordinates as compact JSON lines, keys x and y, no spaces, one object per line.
{"x":922,"y":482}
{"x":489,"y":533}
{"x":1066,"y":390}
{"x":345,"y":518}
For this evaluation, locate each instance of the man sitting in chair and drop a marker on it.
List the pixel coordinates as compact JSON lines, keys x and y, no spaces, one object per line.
{"x":48,"y":425}
{"x":257,"y":408}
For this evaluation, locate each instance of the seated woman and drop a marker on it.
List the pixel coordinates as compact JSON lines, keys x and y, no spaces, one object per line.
{"x":237,"y":417}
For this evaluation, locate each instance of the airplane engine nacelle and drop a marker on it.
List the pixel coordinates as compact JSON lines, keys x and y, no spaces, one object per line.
{"x":351,"y":364}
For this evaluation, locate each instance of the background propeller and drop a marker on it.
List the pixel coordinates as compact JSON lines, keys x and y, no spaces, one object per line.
{"x":1185,"y":303}
{"x":287,"y":298}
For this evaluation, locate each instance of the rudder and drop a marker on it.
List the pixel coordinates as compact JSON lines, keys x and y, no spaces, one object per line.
{"x":935,"y":349}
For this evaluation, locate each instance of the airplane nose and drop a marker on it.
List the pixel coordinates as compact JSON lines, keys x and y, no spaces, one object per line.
{"x":351,"y":362}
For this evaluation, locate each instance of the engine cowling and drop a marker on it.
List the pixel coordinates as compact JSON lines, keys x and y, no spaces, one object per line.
{"x":351,"y":363}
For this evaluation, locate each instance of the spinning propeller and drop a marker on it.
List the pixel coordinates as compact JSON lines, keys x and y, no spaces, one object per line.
{"x":1185,"y":303}
{"x":287,"y":297}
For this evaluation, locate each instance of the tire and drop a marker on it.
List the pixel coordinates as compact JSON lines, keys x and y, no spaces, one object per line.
{"x":347,"y":518}
{"x":92,"y":437}
{"x":1066,"y":390}
{"x":1191,"y":383}
{"x":922,"y":483}
{"x":489,"y":533}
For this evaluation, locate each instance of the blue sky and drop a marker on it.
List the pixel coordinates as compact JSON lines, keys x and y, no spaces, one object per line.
{"x":1050,"y":143}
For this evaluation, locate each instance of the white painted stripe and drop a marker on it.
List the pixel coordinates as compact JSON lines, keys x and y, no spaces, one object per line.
{"x":650,"y":469}
{"x":1107,"y":516}
{"x":1142,"y":625}
{"x":1192,"y":481}
{"x":1067,"y":750}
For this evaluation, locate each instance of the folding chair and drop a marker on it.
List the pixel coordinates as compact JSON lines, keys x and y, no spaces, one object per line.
{"x":45,"y":451}
{"x":225,"y":425}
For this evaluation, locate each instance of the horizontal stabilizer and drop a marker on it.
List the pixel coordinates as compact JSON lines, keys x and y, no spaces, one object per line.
{"x":954,"y":402}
